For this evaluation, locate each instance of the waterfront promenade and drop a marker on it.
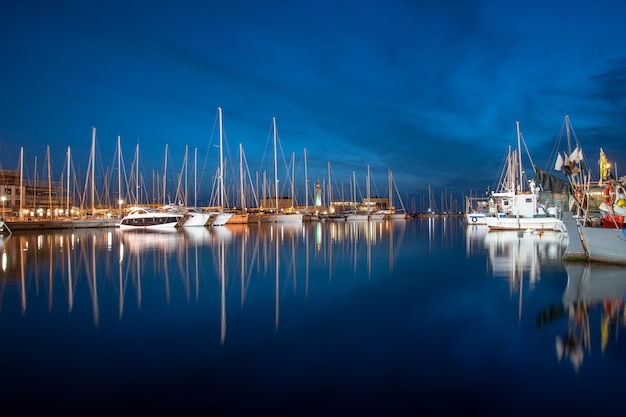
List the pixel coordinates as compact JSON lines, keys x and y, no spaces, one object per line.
{"x":53,"y":224}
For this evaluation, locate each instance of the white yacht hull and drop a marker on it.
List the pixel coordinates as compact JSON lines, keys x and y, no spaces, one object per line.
{"x":220,"y":218}
{"x":196,"y":219}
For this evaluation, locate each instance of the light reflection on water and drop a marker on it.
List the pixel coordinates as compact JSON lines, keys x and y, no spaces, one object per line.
{"x":370,"y":317}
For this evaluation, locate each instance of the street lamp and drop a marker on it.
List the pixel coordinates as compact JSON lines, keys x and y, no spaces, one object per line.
{"x":4,"y":199}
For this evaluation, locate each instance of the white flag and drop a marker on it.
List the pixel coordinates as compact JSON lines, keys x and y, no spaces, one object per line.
{"x":559,"y":162}
{"x":574,"y":156}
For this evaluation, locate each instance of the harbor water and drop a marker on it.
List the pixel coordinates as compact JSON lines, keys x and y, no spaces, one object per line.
{"x":366,"y":318}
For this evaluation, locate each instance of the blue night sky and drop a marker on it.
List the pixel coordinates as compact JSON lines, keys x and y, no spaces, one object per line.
{"x":429,"y":89}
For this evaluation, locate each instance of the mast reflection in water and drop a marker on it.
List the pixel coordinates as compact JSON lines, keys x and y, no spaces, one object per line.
{"x":382,"y":317}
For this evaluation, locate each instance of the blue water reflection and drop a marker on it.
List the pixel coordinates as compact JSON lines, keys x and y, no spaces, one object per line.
{"x":389,"y":317}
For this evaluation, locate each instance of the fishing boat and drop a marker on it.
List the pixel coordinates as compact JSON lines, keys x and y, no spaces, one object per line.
{"x":602,"y":232}
{"x":518,"y":206}
{"x":601,"y":225}
{"x":476,"y":208}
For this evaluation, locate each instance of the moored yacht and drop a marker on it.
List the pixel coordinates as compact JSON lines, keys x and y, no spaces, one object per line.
{"x":146,"y":217}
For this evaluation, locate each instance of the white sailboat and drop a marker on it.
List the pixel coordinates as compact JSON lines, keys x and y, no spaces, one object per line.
{"x":353,"y":215}
{"x":220,"y":217}
{"x":278,"y":215}
{"x":371,"y":215}
{"x":193,"y":216}
{"x":241,"y":216}
{"x":391,"y":213}
{"x":367,"y":214}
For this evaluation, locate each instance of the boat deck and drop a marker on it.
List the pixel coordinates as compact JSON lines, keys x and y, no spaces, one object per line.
{"x":575,"y":250}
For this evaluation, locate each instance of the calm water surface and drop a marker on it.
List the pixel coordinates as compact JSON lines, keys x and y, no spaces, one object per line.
{"x":383,"y":318}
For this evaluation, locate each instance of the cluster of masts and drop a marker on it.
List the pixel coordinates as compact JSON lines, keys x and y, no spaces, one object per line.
{"x":68,"y":197}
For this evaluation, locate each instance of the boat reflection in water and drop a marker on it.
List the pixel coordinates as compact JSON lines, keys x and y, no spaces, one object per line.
{"x":520,"y":253}
{"x":593,"y":306}
{"x":282,"y":319}
{"x":191,"y":265}
{"x":516,"y":256}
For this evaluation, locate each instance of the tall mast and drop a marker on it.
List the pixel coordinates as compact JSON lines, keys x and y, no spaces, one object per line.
{"x":306,"y":184}
{"x":569,"y":143}
{"x":367,"y":189}
{"x":242,"y":196}
{"x":119,"y":174}
{"x":219,"y":109}
{"x":390,"y":190}
{"x":353,"y":186}
{"x":185,"y":192}
{"x":519,"y":156}
{"x":22,"y":193}
{"x":165,"y":176}
{"x":195,"y":177}
{"x":93,"y":170}
{"x":293,"y":173}
{"x":137,"y":174}
{"x":49,"y":181}
{"x":275,"y":166}
{"x":36,"y":186}
{"x":67,"y":197}
{"x":430,"y":199}
{"x":330,"y":187}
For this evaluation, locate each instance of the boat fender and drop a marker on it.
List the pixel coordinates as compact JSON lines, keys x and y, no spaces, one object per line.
{"x":609,"y":195}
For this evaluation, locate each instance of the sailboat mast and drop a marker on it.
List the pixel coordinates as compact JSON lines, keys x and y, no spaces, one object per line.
{"x":119,"y":174}
{"x":219,"y":109}
{"x":293,"y":173}
{"x":519,"y":156}
{"x":49,"y":181}
{"x":306,"y":184}
{"x":367,"y":189}
{"x":241,"y":191}
{"x":67,"y":197}
{"x":390,"y":189}
{"x":22,"y":193}
{"x":430,"y":199}
{"x":330,"y":187}
{"x":195,"y":177}
{"x":275,"y":166}
{"x":165,"y":176}
{"x":93,"y":170}
{"x":137,"y":175}
{"x":569,"y":143}
{"x":186,"y":175}
{"x":36,"y":186}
